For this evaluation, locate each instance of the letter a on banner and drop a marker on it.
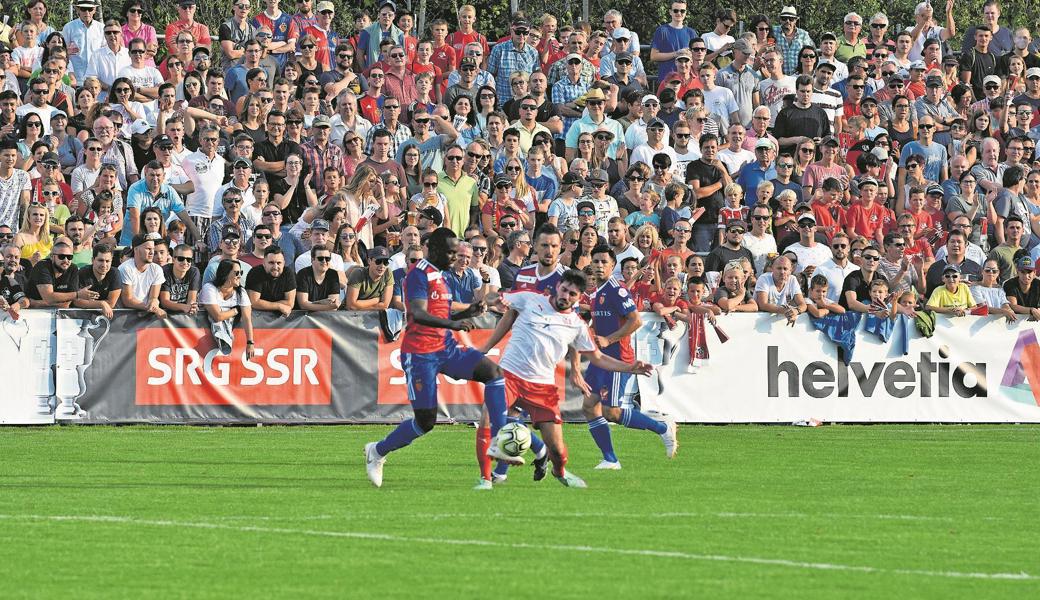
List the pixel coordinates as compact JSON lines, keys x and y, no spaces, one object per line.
{"x":1024,"y":366}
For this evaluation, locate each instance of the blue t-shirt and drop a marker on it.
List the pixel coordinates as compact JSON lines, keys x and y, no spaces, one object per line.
{"x":462,"y":286}
{"x":543,"y":185}
{"x":137,"y":196}
{"x":935,"y":156}
{"x":670,"y":39}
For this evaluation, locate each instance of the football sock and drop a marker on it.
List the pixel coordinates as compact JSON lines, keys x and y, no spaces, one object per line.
{"x":633,"y":419}
{"x":483,"y":443}
{"x":405,"y":434}
{"x":495,"y":402}
{"x":558,"y":461}
{"x":600,"y":430}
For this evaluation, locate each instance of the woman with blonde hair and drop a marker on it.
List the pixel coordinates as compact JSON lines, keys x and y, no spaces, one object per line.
{"x":648,"y":241}
{"x":34,"y":236}
{"x":366,"y":197}
{"x":522,"y":192}
{"x":347,"y":248}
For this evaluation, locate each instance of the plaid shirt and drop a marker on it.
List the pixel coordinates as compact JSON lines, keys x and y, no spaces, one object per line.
{"x":558,"y":71}
{"x":790,"y":49}
{"x":401,"y":135}
{"x":245,"y":225}
{"x":564,"y":91}
{"x":317,"y":160}
{"x":505,"y":60}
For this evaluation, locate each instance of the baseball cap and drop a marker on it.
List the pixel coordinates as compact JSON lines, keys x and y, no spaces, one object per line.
{"x":828,"y":35}
{"x":1032,"y":72}
{"x":867,"y":180}
{"x":520,"y":23}
{"x":598,"y":176}
{"x":241,"y":160}
{"x":655,"y":122}
{"x":830,"y":140}
{"x":386,"y":3}
{"x":935,"y":189}
{"x":139,"y":240}
{"x":954,"y":269}
{"x":736,"y":223}
{"x":684,"y":52}
{"x":200,"y":50}
{"x":763,"y":142}
{"x":586,"y":204}
{"x":991,"y":79}
{"x":742,"y":45}
{"x":936,"y":81}
{"x":917,"y":65}
{"x":432,"y":214}
{"x":1024,"y":263}
{"x":809,"y":216}
{"x":319,"y":225}
{"x":572,"y":178}
{"x":92,"y":4}
{"x":324,"y":6}
{"x":468,"y":61}
{"x":503,"y":178}
{"x":620,"y":56}
{"x":230,"y":231}
{"x":378,"y":253}
{"x":140,"y":127}
{"x":50,"y":158}
{"x":826,"y":65}
{"x":162,"y":140}
{"x":58,"y":113}
{"x":573,"y":55}
{"x":4,"y":49}
{"x":898,"y":76}
{"x":650,"y":97}
{"x":621,"y":33}
{"x":868,"y":100}
{"x":182,"y":3}
{"x":321,"y":121}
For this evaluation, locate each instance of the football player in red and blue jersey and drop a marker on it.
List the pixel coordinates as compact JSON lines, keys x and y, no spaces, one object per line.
{"x":614,"y":320}
{"x":428,"y":348}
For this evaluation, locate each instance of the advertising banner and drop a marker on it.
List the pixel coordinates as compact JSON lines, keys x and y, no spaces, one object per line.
{"x":27,"y":356}
{"x":973,"y":369}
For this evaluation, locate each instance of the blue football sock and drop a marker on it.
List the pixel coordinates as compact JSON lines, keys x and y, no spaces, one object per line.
{"x":495,"y":402}
{"x":600,"y":430}
{"x":405,"y":434}
{"x":633,"y":419}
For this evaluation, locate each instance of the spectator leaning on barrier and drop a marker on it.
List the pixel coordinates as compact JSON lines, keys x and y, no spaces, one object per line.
{"x":371,"y":288}
{"x":12,"y":281}
{"x":54,"y":281}
{"x":101,"y":280}
{"x":141,"y":279}
{"x":182,"y":282}
{"x":272,"y":286}
{"x":317,"y":285}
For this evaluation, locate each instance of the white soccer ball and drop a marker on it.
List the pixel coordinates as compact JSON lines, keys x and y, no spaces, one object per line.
{"x":514,"y":439}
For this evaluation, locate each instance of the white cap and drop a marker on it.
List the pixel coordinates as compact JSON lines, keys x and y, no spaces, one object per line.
{"x":649,"y":97}
{"x":621,"y":32}
{"x":991,"y":79}
{"x":1033,"y":71}
{"x":917,"y":65}
{"x":788,"y":11}
{"x":140,"y":127}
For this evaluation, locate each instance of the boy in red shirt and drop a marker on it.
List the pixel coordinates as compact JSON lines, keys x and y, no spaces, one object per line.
{"x":466,"y":35}
{"x":443,"y":54}
{"x":866,"y":217}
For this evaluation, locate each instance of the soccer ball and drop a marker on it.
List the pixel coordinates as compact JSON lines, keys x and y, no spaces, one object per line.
{"x":514,"y":439}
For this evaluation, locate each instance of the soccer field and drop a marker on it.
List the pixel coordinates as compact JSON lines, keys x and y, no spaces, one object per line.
{"x":743,"y":511}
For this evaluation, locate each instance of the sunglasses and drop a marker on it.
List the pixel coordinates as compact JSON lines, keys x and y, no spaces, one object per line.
{"x":682,"y":230}
{"x":50,"y":194}
{"x":232,"y":241}
{"x":992,"y":270}
{"x":760,"y":217}
{"x":323,"y":259}
{"x":992,"y":87}
{"x":307,"y":47}
{"x":480,"y":249}
{"x":503,"y":186}
{"x":872,"y":257}
{"x":453,"y":158}
{"x":262,"y":236}
{"x":184,"y":259}
{"x":839,"y":246}
{"x":508,"y":225}
{"x":382,"y":261}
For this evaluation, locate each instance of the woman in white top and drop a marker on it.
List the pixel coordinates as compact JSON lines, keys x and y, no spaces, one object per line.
{"x":225,"y":301}
{"x":990,"y":293}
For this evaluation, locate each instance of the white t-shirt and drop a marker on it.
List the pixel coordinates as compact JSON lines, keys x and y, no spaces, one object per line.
{"x":993,"y":297}
{"x":815,"y":256}
{"x":208,"y":177}
{"x":776,"y":296}
{"x":735,"y":161}
{"x":211,"y":295}
{"x":140,"y":282}
{"x":540,"y":337}
{"x":630,"y":252}
{"x":835,"y":276}
{"x":714,"y":41}
{"x":146,"y":77}
{"x":721,"y":103}
{"x":760,"y":249}
{"x":772,"y":92}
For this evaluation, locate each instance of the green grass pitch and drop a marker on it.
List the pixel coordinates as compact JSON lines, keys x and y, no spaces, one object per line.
{"x":909,"y":511}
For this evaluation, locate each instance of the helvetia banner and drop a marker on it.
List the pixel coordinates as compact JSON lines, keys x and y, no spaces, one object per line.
{"x":972,"y":369}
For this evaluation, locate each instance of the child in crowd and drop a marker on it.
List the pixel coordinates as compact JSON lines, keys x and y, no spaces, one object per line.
{"x":735,"y":209}
{"x":669,"y":303}
{"x":648,"y":201}
{"x":880,"y":302}
{"x":638,"y":281}
{"x":817,"y":304}
{"x":784,"y":219}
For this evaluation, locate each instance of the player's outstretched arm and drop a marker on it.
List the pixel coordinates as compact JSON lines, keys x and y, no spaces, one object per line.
{"x":609,"y":363}
{"x":417,"y":309}
{"x":504,"y":325}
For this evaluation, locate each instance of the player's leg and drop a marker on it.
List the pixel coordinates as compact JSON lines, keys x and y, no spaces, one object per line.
{"x":483,"y":443}
{"x":541,"y":455}
{"x":599,"y":429}
{"x":489,"y":373}
{"x":552,"y":433}
{"x":421,"y":379}
{"x":633,"y":418}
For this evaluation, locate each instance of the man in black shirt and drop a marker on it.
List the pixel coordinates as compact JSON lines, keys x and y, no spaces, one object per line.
{"x":12,"y":282}
{"x":707,"y":177}
{"x":978,"y":62}
{"x":54,"y":283}
{"x":731,"y":248}
{"x":802,"y":120}
{"x":1023,"y":292}
{"x":272,"y":152}
{"x":180,"y":291}
{"x":99,"y":277}
{"x":317,"y":286}
{"x":272,"y":287}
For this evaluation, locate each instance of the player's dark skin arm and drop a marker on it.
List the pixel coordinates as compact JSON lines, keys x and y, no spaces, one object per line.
{"x":420,"y":316}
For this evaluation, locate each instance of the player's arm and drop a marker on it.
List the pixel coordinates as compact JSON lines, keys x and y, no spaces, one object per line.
{"x":629,"y":324}
{"x":609,"y":363}
{"x":504,"y":325}
{"x":577,"y":378}
{"x":420,"y":316}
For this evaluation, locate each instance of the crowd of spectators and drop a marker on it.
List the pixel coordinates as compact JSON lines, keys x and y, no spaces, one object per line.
{"x":276,"y":164}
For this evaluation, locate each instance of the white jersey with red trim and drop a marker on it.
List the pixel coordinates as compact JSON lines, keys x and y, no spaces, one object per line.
{"x":541,"y":336}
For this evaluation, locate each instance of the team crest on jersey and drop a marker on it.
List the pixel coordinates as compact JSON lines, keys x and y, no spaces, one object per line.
{"x":622,"y":292}
{"x":283,"y":28}
{"x":435,"y":295}
{"x":417,"y":384}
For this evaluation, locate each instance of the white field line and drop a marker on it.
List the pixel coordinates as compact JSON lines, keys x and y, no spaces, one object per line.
{"x":383,"y":537}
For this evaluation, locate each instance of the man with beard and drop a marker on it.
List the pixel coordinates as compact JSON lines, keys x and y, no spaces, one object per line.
{"x":54,"y":283}
{"x":273,"y":287}
{"x":100,"y":278}
{"x":141,"y":278}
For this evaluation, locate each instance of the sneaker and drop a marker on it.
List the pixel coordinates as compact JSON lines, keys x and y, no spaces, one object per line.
{"x":498,"y":479}
{"x":670,"y":438}
{"x":495,"y":453}
{"x":607,"y":465}
{"x":374,"y":464}
{"x":571,"y":480}
{"x":541,"y":467}
{"x":483,"y":484}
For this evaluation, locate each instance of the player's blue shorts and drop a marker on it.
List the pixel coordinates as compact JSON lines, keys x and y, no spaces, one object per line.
{"x":421,"y":371}
{"x":611,"y":387}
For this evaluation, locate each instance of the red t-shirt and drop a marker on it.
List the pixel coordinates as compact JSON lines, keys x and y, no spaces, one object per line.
{"x":458,"y":41}
{"x":444,"y":58}
{"x":860,"y":220}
